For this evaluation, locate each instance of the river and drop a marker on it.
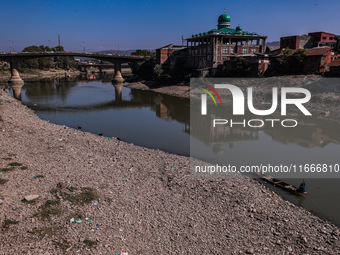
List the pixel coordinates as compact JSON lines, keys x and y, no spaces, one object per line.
{"x":162,"y":122}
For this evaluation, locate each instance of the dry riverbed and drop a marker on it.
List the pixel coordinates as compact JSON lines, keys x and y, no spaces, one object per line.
{"x":99,"y":195}
{"x":34,"y":73}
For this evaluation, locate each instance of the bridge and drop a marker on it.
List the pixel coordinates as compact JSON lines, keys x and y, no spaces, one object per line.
{"x":83,"y":67}
{"x":15,"y":57}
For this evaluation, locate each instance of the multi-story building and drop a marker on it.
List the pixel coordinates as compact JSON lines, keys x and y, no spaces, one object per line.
{"x":322,"y":39}
{"x":210,"y":49}
{"x":163,"y":54}
{"x":312,"y":40}
{"x":295,"y":42}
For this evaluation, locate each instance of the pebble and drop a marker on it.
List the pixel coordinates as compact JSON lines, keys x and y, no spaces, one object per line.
{"x":31,"y":197}
{"x":250,"y":251}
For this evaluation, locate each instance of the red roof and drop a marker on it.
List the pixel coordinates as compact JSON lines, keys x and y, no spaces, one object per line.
{"x":318,"y":51}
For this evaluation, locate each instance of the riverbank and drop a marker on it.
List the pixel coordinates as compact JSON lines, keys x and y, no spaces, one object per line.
{"x":132,"y":199}
{"x":172,"y":90}
{"x":34,"y":73}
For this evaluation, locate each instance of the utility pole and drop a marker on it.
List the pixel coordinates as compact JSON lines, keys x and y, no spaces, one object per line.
{"x":49,"y":43}
{"x":183,"y":40}
{"x":58,"y":39}
{"x":84,"y":46}
{"x":9,"y":43}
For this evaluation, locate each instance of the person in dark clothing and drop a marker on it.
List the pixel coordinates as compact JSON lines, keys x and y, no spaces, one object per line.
{"x":302,"y":187}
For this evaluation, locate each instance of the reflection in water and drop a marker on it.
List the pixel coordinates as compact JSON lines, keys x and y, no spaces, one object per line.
{"x":118,"y":91}
{"x":159,"y":121}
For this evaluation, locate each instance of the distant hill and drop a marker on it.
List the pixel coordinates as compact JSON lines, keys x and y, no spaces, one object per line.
{"x":120,"y":52}
{"x":275,"y":43}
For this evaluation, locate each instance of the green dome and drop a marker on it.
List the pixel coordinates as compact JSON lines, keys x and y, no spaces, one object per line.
{"x":223,"y":21}
{"x":238,"y":28}
{"x":223,"y":18}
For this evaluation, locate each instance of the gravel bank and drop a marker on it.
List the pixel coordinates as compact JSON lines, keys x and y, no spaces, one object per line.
{"x":172,"y":90}
{"x":132,"y":199}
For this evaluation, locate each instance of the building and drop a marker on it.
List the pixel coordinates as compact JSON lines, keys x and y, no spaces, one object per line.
{"x":210,"y":49}
{"x":322,"y":39}
{"x":312,"y":40}
{"x":295,"y":42}
{"x":163,"y":54}
{"x":318,"y":59}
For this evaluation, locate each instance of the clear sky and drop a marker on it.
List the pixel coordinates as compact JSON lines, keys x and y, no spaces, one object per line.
{"x":150,"y":24}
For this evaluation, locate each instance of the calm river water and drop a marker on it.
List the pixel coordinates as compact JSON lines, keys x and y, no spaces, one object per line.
{"x":163,"y":122}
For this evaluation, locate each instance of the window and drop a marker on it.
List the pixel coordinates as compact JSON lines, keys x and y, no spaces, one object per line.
{"x":324,"y":38}
{"x":253,"y":50}
{"x":244,"y":50}
{"x":225,"y":50}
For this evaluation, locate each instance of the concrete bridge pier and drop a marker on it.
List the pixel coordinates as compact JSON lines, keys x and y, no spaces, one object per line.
{"x":118,"y":73}
{"x":15,"y":77}
{"x":16,"y":87}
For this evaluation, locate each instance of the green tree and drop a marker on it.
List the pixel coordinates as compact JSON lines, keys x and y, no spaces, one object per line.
{"x":240,"y":67}
{"x":291,"y":62}
{"x":63,"y":62}
{"x":144,"y":53}
{"x":297,"y":61}
{"x":147,"y":69}
{"x":46,"y":63}
{"x":157,"y":72}
{"x":41,"y":63}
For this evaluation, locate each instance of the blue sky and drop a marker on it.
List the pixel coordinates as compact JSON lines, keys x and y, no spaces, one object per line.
{"x":150,"y":24}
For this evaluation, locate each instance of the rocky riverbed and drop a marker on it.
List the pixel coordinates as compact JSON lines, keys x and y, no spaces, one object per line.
{"x":64,"y":191}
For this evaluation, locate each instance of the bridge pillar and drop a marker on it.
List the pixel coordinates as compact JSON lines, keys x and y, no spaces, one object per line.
{"x":15,"y":77}
{"x":118,"y":73}
{"x":16,"y":87}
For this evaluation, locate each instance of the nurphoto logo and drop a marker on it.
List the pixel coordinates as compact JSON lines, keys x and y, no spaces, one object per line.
{"x":238,"y":105}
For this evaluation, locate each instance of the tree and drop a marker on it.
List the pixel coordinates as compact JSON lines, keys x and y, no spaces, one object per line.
{"x":291,"y":62}
{"x":47,"y":62}
{"x":297,"y":61}
{"x":240,"y":67}
{"x":41,"y":63}
{"x":144,"y":53}
{"x":157,"y":71}
{"x":147,"y":69}
{"x":63,"y":62}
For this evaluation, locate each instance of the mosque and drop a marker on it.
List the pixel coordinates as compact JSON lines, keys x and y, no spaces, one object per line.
{"x":210,"y":49}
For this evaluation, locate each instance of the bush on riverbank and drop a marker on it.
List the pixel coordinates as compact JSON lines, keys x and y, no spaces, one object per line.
{"x":151,"y":71}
